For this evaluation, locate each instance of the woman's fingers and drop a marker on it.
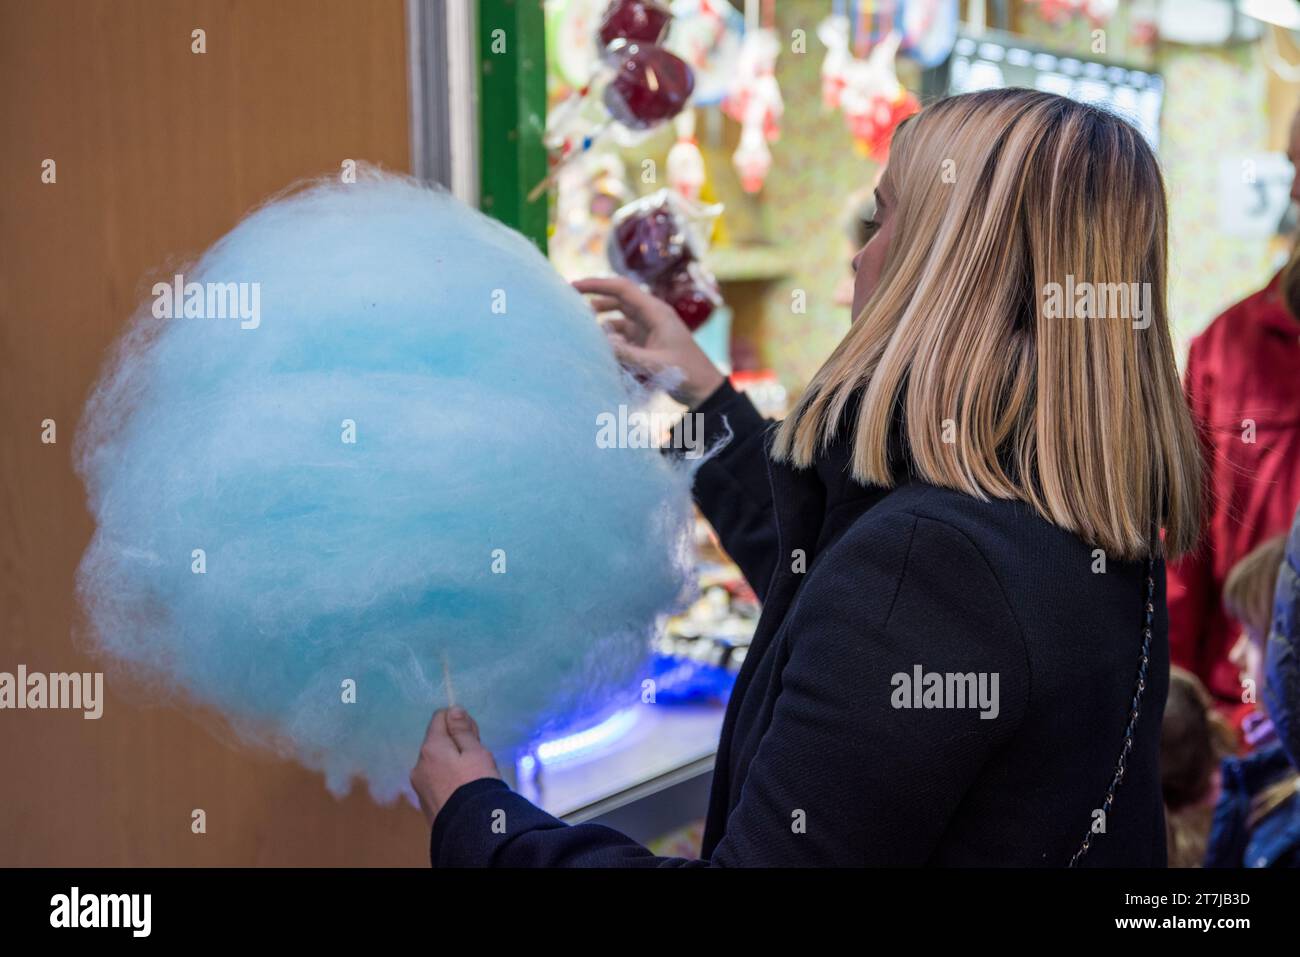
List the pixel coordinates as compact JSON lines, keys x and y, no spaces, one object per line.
{"x":626,"y":328}
{"x":463,"y":730}
{"x":437,"y":737}
{"x":637,"y":304}
{"x":633,"y":356}
{"x":452,"y":755}
{"x":606,"y":304}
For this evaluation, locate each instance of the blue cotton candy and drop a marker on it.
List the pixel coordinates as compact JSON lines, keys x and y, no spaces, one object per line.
{"x":475,"y":444}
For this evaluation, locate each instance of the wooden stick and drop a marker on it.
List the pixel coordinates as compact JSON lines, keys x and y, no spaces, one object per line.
{"x":446,"y":681}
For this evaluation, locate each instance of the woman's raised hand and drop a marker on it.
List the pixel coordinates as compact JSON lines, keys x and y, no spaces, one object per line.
{"x":648,"y":337}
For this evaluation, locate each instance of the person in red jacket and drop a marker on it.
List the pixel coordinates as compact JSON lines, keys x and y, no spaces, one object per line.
{"x":1243,"y":386}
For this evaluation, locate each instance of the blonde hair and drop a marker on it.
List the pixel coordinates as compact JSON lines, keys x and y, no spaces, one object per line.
{"x":998,"y":195}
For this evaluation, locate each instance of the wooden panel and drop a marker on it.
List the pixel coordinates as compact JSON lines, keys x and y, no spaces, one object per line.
{"x":159,"y":152}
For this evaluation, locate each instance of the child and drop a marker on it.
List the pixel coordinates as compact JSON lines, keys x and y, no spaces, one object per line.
{"x":1194,"y":738}
{"x":1257,"y":820}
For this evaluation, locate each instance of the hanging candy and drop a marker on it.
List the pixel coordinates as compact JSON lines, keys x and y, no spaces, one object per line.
{"x":834,"y":35}
{"x":648,"y":240}
{"x":752,"y":159}
{"x":639,"y":83}
{"x":650,"y":85}
{"x":756,"y":81}
{"x":755,"y":102}
{"x":692,"y":293}
{"x":685,"y":161}
{"x":657,"y":241}
{"x":707,"y":35}
{"x":632,"y":21}
{"x":874,"y":101}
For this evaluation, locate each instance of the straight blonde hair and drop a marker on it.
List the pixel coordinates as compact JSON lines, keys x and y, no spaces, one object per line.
{"x":1004,"y":198}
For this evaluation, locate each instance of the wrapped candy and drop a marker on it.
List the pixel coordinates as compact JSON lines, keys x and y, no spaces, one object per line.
{"x":691,"y":291}
{"x":685,"y":161}
{"x":657,"y":241}
{"x":752,"y":159}
{"x":632,"y":21}
{"x":650,"y":85}
{"x":707,"y":35}
{"x":874,"y":101}
{"x":756,"y":96}
{"x":755,"y":102}
{"x":648,"y":240}
{"x":639,"y":83}
{"x":834,"y":35}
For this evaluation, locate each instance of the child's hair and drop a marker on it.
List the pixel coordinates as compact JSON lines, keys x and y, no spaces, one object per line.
{"x":1248,"y":595}
{"x":1193,"y":740}
{"x":1249,"y":587}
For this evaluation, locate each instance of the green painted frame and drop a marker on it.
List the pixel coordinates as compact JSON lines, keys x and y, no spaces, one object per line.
{"x":512,"y":114}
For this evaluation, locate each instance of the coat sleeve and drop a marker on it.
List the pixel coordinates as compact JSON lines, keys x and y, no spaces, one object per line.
{"x":1229,"y":834}
{"x":1282,"y":653}
{"x":1192,"y":596}
{"x":732,"y":487}
{"x":843,"y":774}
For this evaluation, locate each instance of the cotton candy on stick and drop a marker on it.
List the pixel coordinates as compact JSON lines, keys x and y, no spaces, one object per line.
{"x":473,"y":519}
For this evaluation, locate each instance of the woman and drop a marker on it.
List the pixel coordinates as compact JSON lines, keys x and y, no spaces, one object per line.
{"x":972,"y":669}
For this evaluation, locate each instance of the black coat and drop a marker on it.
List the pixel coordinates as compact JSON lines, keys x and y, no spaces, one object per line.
{"x":819,"y":762}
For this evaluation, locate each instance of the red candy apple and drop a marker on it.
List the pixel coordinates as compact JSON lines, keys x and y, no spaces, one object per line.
{"x":650,"y":85}
{"x":691,"y":292}
{"x":633,"y":21}
{"x":647,"y":243}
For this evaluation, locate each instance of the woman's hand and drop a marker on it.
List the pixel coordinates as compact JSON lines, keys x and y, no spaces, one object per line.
{"x":450,"y":756}
{"x":650,"y":337}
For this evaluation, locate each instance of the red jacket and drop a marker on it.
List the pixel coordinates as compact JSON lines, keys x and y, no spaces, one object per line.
{"x":1243,"y":372}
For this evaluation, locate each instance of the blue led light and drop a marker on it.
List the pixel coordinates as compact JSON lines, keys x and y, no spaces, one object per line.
{"x":572,"y":746}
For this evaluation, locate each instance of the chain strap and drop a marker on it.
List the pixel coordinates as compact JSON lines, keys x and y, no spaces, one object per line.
{"x":1136,"y":708}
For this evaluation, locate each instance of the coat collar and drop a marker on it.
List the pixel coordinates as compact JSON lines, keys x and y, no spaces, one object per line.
{"x":805,"y":498}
